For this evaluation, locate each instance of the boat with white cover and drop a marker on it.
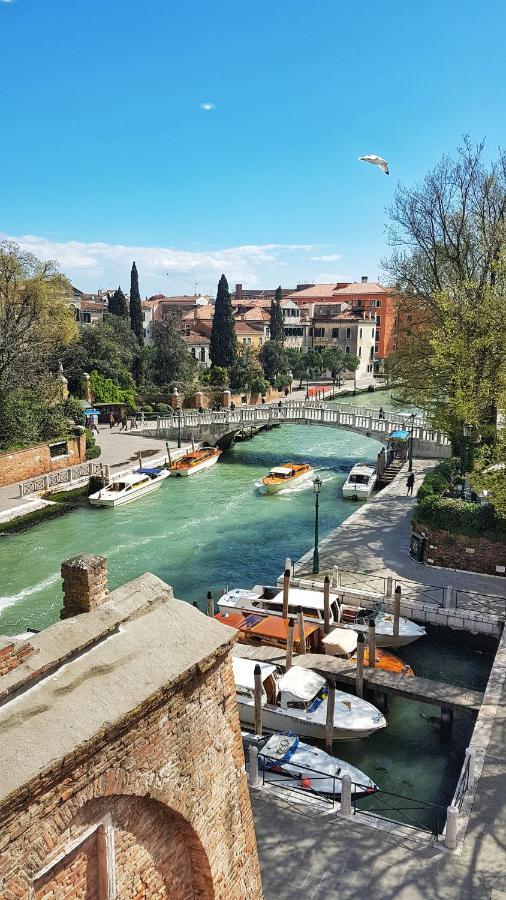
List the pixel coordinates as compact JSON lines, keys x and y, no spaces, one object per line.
{"x":297,"y":701}
{"x":129,"y":487}
{"x":286,"y":756}
{"x":269,"y":598}
{"x":360,"y":482}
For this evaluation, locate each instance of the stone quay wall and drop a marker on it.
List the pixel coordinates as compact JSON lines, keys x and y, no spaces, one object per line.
{"x":16,"y":465}
{"x":456,"y":551}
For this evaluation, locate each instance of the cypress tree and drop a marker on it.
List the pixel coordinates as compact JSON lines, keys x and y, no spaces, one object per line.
{"x":276,"y":328}
{"x":223,"y":349}
{"x":117,"y":304}
{"x":135,"y":305}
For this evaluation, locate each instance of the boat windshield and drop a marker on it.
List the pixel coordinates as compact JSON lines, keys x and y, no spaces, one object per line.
{"x":359,"y":479}
{"x":117,"y":486}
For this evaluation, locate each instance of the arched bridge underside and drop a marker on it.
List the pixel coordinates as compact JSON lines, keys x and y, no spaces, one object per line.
{"x":220,"y":428}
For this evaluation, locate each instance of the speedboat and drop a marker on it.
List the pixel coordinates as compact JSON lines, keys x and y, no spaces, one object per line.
{"x":359,"y":484}
{"x":196,"y":461}
{"x":281,"y":477}
{"x":129,"y":487}
{"x":297,"y":701}
{"x":269,"y":599}
{"x":285,"y":756}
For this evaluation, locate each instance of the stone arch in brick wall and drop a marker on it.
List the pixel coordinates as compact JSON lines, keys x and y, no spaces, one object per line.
{"x":130,"y":847}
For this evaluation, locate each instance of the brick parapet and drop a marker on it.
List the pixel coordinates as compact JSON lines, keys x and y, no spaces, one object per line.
{"x":17,"y":465}
{"x":457,"y":551}
{"x":13,"y":653}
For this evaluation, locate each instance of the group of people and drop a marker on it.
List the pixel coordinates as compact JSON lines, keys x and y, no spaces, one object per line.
{"x":123,"y":420}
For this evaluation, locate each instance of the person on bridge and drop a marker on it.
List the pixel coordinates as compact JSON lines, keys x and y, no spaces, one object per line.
{"x":410,"y":483}
{"x":381,"y":414}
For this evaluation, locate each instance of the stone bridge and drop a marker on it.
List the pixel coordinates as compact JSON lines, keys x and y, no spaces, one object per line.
{"x":220,"y":428}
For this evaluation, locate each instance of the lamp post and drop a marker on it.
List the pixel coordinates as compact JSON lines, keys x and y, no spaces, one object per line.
{"x":467,"y":432}
{"x":410,"y":452}
{"x":333,"y":384}
{"x":317,"y":483}
{"x":179,"y":427}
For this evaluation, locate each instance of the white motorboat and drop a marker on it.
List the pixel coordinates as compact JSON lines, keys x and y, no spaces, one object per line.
{"x":270,"y":599}
{"x":359,"y":484}
{"x":297,"y":701}
{"x":285,"y":756}
{"x":129,"y":487}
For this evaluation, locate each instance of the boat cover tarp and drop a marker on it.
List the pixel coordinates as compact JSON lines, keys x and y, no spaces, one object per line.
{"x":302,"y":683}
{"x":340,"y":641}
{"x":244,"y":672}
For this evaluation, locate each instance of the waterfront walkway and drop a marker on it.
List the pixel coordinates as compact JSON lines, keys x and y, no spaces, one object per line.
{"x":376,"y":537}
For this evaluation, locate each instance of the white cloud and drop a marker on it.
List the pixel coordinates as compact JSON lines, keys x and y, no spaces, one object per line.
{"x":97,"y":264}
{"x":331,"y":278}
{"x":329,"y":257}
{"x":208,"y":106}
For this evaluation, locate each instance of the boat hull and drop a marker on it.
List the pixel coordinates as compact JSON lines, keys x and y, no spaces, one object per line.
{"x":205,"y":464}
{"x":289,"y":482}
{"x":350,"y":492}
{"x":113,"y":502}
{"x":278,"y":719}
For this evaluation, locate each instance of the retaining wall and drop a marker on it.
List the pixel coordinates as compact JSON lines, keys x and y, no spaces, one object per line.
{"x":17,"y":465}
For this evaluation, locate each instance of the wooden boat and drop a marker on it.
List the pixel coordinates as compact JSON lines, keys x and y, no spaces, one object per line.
{"x":297,"y":701}
{"x":196,"y":461}
{"x":285,"y":756}
{"x":281,"y":477}
{"x":129,"y":487}
{"x":272,"y":631}
{"x":269,"y":599}
{"x":360,"y":482}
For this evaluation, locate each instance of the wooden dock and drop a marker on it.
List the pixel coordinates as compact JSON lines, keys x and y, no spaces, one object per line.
{"x":436,"y":693}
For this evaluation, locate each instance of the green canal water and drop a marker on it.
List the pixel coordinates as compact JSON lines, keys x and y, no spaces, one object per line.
{"x":217,"y":530}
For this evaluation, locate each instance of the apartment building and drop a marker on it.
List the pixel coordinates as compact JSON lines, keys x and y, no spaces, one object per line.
{"x":351,"y":332}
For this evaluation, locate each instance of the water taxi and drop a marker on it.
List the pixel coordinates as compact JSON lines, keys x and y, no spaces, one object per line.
{"x":359,"y":484}
{"x":272,"y":631}
{"x":284,"y":476}
{"x":196,"y":461}
{"x":297,"y":701}
{"x":129,"y":487}
{"x":269,"y":599}
{"x":285,"y":756}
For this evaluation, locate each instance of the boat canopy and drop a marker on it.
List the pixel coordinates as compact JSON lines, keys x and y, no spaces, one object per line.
{"x":244,"y":672}
{"x":340,"y":641}
{"x":302,"y":683}
{"x":145,"y":470}
{"x":301,"y":597}
{"x":281,"y":470}
{"x":399,"y":435}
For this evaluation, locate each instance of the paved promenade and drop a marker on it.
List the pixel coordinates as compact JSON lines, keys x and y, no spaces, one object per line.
{"x":376,"y":539}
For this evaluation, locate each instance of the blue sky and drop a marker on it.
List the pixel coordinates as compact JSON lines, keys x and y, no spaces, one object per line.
{"x":106,"y":154}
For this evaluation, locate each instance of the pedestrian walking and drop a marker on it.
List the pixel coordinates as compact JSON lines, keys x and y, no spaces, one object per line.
{"x":410,"y":483}
{"x":124,"y":422}
{"x":132,"y":422}
{"x":201,"y":410}
{"x":112,"y":422}
{"x":280,"y":404}
{"x":381,"y":414}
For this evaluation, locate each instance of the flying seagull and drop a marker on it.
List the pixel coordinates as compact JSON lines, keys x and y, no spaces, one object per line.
{"x":376,"y":161}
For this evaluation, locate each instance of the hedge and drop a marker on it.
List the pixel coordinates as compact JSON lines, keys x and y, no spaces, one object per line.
{"x":454,"y":515}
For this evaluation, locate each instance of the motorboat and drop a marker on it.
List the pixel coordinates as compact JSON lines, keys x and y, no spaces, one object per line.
{"x":281,"y":477}
{"x":196,"y":461}
{"x":360,"y":482}
{"x":285,"y":758}
{"x":129,"y":487}
{"x":297,"y":701}
{"x":269,"y":599}
{"x":259,"y":629}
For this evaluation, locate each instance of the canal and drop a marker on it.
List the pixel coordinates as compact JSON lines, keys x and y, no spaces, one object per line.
{"x":217,"y":530}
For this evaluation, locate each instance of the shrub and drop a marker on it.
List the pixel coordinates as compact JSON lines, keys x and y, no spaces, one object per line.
{"x":92,"y":451}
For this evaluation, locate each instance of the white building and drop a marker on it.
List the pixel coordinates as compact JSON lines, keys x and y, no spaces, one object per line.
{"x":352,"y":333}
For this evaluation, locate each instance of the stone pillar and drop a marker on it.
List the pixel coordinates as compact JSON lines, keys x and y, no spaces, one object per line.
{"x":85,"y":584}
{"x":85,"y":384}
{"x":174,"y":400}
{"x":225,"y":399}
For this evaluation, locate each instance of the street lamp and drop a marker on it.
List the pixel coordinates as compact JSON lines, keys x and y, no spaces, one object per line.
{"x":317,"y":483}
{"x":179,"y":427}
{"x":410,"y":466}
{"x":467,"y":432}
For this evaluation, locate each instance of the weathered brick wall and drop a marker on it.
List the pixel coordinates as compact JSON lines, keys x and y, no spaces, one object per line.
{"x":13,"y":653}
{"x":456,"y":551}
{"x":76,"y":876}
{"x":172,"y":780}
{"x":20,"y":464}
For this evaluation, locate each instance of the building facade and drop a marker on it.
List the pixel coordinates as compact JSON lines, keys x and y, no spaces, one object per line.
{"x":350,"y":332}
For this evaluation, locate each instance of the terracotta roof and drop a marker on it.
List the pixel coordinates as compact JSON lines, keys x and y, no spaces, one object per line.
{"x":193,"y":338}
{"x":178,"y":298}
{"x":362,"y":287}
{"x":93,"y":306}
{"x":254,"y":315}
{"x":244,"y":328}
{"x":200,"y":312}
{"x":315,"y":291}
{"x":258,"y":302}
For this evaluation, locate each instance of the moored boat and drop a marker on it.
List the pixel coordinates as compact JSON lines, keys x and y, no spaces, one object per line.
{"x":285,"y":756}
{"x":129,"y":487}
{"x":194,"y":462}
{"x":360,"y":482}
{"x":297,"y":701}
{"x":281,"y":477}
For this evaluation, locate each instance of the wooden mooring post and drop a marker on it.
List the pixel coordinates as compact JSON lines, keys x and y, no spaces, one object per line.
{"x":397,"y":615}
{"x":300,"y":625}
{"x":371,"y":643}
{"x":359,"y":681}
{"x":326,"y":604}
{"x":286,"y":591}
{"x":169,"y":460}
{"x":329,"y":723}
{"x":210,"y":604}
{"x":258,"y":700}
{"x":289,"y":643}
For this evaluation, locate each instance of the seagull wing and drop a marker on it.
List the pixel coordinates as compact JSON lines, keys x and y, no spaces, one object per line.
{"x":376,"y":161}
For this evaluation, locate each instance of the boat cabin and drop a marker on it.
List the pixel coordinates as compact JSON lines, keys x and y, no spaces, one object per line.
{"x":258,"y":629}
{"x":299,"y":688}
{"x":361,"y":475}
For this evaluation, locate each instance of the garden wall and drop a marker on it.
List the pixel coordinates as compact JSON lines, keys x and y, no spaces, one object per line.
{"x":457,"y":551}
{"x":16,"y":465}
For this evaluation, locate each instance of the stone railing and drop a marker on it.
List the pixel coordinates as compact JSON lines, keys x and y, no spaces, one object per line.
{"x":72,"y":475}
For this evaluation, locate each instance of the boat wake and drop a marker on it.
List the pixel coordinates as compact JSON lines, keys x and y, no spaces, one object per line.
{"x":11,"y":599}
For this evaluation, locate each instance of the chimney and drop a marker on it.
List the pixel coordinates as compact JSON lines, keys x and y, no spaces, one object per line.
{"x":238,"y":292}
{"x":364,"y":279}
{"x":84,"y":584}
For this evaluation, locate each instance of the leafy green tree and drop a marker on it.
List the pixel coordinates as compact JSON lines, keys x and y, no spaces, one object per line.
{"x":105,"y":390}
{"x":171,"y":362}
{"x":223,"y":349}
{"x":274,"y":361}
{"x":490,"y":472}
{"x":109,"y":347}
{"x":245,"y":369}
{"x":135,"y":306}
{"x":277,"y":331}
{"x":339,"y":363}
{"x":117,"y":304}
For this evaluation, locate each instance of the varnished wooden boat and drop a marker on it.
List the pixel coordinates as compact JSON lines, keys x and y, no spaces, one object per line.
{"x":194,"y":462}
{"x":387,"y":662}
{"x":281,"y":477}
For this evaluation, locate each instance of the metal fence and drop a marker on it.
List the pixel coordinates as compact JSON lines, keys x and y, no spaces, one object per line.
{"x":490,"y":603}
{"x":403,"y":810}
{"x":423,"y":593}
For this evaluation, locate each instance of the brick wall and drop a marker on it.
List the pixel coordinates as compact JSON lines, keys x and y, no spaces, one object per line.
{"x":456,"y":551}
{"x":75,"y":876}
{"x":13,"y":653}
{"x":20,"y":464}
{"x":170,"y":777}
